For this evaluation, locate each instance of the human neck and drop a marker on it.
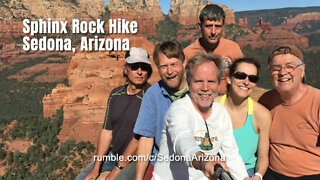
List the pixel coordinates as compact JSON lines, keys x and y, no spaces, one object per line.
{"x":288,"y":98}
{"x":209,"y":48}
{"x":233,"y":101}
{"x":181,"y":86}
{"x":133,"y":89}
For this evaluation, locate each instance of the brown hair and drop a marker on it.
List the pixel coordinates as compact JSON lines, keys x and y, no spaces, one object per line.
{"x":171,"y":49}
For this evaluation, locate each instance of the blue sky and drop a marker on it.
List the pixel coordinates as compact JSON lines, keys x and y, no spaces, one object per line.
{"x":244,"y":5}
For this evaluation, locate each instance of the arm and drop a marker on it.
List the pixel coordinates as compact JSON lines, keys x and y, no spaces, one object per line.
{"x":263,"y":121}
{"x":104,"y":142}
{"x":144,"y":151}
{"x":130,"y":151}
{"x":145,"y":127}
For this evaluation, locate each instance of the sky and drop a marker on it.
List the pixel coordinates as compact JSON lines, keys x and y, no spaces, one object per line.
{"x":245,"y":5}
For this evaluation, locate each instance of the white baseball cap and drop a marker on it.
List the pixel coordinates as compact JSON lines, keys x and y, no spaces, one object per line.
{"x":137,"y":55}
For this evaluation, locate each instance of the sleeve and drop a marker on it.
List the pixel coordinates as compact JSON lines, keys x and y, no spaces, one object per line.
{"x":178,"y":122}
{"x":107,"y":120}
{"x":237,"y":52}
{"x":230,"y":150}
{"x":146,"y":122}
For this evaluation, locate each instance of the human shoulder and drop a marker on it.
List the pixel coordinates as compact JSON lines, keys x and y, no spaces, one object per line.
{"x":270,"y":99}
{"x":259,"y":108}
{"x":193,"y":45}
{"x":313,"y":91}
{"x":146,"y":87}
{"x":228,"y":48}
{"x":218,"y":106}
{"x":220,"y":110}
{"x":183,"y":103}
{"x":260,"y":112}
{"x":261,"y":117}
{"x":228,"y":42}
{"x":119,"y":90}
{"x":155,"y":89}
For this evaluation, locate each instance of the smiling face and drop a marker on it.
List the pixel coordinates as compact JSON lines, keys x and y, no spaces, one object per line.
{"x":171,"y":71}
{"x":242,"y":87}
{"x":211,"y":31}
{"x":284,"y":81}
{"x":204,"y":85}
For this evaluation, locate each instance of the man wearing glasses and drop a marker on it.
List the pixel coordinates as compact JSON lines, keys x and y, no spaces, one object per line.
{"x":122,"y":111}
{"x":197,"y":129}
{"x":295,"y":110}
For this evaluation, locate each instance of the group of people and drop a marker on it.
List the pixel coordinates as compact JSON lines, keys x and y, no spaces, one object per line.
{"x":200,"y":114}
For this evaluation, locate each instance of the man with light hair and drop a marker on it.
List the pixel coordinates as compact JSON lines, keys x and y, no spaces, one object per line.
{"x":295,"y":109}
{"x":199,"y":129}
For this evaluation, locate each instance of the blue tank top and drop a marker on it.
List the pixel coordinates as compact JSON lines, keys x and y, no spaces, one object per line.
{"x":246,"y":137}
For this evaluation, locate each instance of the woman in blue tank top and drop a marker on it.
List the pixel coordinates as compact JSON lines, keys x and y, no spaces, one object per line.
{"x":250,"y":120}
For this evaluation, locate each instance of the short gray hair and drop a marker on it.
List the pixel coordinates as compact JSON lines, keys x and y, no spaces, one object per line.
{"x":200,"y":59}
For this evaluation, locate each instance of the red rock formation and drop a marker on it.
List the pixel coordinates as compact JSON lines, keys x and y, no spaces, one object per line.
{"x":91,"y":76}
{"x":186,"y":12}
{"x":10,"y":31}
{"x":290,"y":23}
{"x":273,"y":37}
{"x":264,"y":34}
{"x":10,"y":126}
{"x":146,"y":13}
{"x":33,"y":9}
{"x":262,"y":26}
{"x":243,"y":22}
{"x":188,"y":34}
{"x":230,"y":15}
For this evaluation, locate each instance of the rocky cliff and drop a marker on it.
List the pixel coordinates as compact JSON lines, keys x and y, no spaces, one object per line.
{"x":59,"y":9}
{"x":272,"y":36}
{"x":291,"y":23}
{"x":146,"y":12}
{"x":14,"y":11}
{"x":186,"y":12}
{"x":91,"y":76}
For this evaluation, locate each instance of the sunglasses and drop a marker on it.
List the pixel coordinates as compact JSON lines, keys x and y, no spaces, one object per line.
{"x":136,"y":66}
{"x":242,"y":76}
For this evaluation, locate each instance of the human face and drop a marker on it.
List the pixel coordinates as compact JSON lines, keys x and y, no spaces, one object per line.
{"x":171,"y":71}
{"x":243,"y":87}
{"x":211,"y":31}
{"x":284,"y":81}
{"x":137,"y":73}
{"x":204,"y":85}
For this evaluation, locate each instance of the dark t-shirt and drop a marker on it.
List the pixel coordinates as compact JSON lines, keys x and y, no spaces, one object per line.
{"x":121,"y":116}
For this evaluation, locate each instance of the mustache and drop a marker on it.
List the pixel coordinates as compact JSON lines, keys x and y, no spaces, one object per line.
{"x":170,"y":76}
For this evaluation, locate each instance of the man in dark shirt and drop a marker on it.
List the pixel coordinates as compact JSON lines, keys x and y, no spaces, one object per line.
{"x":123,"y":108}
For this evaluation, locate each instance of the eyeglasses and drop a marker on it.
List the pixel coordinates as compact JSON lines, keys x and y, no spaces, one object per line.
{"x":136,"y":66}
{"x":288,"y":68}
{"x":242,"y":76}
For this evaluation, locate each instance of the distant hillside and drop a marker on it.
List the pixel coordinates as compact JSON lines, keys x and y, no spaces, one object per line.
{"x":275,"y":16}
